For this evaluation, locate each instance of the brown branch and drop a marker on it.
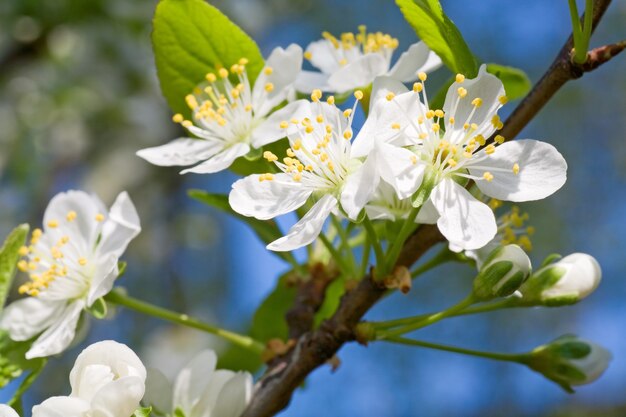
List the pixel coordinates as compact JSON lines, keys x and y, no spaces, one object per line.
{"x":562,"y":70}
{"x":314,"y":348}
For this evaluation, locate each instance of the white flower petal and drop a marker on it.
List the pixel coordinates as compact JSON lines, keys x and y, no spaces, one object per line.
{"x":464,"y":220}
{"x":308,"y":81}
{"x":27,"y":317}
{"x":418,"y":58}
{"x":428,"y":213}
{"x":234,"y":396}
{"x":360,"y":187}
{"x":270,"y":131}
{"x":358,"y":73}
{"x":267,"y":199}
{"x":389,"y":121}
{"x":158,"y":392}
{"x":118,"y":398}
{"x":542,"y":171}
{"x":106,"y":272}
{"x":323,"y":56}
{"x":397,"y":168}
{"x":62,"y":407}
{"x":181,"y":152}
{"x":6,"y":411}
{"x":308,"y":228}
{"x":193,"y":379}
{"x":486,"y":87}
{"x":221,"y":160}
{"x":382,"y":86}
{"x":118,"y":358}
{"x":121,"y":226}
{"x":285,"y":65}
{"x":59,"y":335}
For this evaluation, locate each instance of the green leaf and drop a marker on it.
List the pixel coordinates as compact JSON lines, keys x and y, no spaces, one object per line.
{"x":191,"y":38}
{"x":440,"y":34}
{"x":12,"y":361}
{"x":9,"y":255}
{"x":98,"y":309}
{"x":266,"y":230}
{"x":516,"y":82}
{"x":143,"y":412}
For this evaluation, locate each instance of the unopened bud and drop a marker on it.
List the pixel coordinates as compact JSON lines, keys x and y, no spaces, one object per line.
{"x":401,"y":279}
{"x":564,"y":282}
{"x":502,"y":273}
{"x":569,"y":361}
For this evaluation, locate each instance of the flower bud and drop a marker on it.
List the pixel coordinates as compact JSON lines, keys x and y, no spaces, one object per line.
{"x":564,"y":282}
{"x":502,"y":273}
{"x":569,"y":361}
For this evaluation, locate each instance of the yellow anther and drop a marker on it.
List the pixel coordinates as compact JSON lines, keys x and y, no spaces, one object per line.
{"x":452,"y":162}
{"x":413,"y":159}
{"x":23,"y":251}
{"x":525,"y":243}
{"x":467,"y":153}
{"x":63,"y":240}
{"x":82,"y":261}
{"x":248,"y":108}
{"x":243,"y":61}
{"x":516,"y":168}
{"x":331,"y":166}
{"x":490,"y":149}
{"x":430,"y":114}
{"x":439,"y":113}
{"x":466,"y":126}
{"x":99,"y":217}
{"x":488,"y":176}
{"x":297,"y":144}
{"x":270,"y":156}
{"x":324,"y":157}
{"x":418,"y":87}
{"x":191,"y":101}
{"x":358,"y":94}
{"x":343,"y":62}
{"x":319,"y":118}
{"x":309,"y":129}
{"x":460,"y":78}
{"x":315,"y":152}
{"x":474,"y":126}
{"x":347,"y":134}
{"x":330,"y":100}
{"x":268,"y":70}
{"x":477,"y":102}
{"x":530,"y":230}
{"x":422,"y":76}
{"x":22,"y":265}
{"x":423,"y":135}
{"x":499,"y":139}
{"x":316,"y":95}
{"x":451,"y":120}
{"x":395,"y":126}
{"x":436,"y":127}
{"x":269,"y":87}
{"x":210,"y":77}
{"x":290,"y":152}
{"x":297,"y":177}
{"x":284,"y":124}
{"x":294,"y":121}
{"x":266,"y":177}
{"x":390,"y":96}
{"x":177,"y":118}
{"x":308,"y":168}
{"x":503,"y":100}
{"x":223,"y":72}
{"x":462,"y":92}
{"x":32,"y":266}
{"x":480,"y":139}
{"x":52,"y":224}
{"x":308,"y":55}
{"x":347,"y":113}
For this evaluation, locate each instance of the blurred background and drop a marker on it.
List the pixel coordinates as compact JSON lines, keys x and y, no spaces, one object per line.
{"x":79,"y":95}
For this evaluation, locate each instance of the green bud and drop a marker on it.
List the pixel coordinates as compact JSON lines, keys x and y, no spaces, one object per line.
{"x":502,"y":273}
{"x":564,"y":282}
{"x":569,"y":361}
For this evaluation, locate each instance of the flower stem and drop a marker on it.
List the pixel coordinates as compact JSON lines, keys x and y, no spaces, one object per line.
{"x":15,"y":401}
{"x":443,"y":256}
{"x":378,"y":250}
{"x":365,"y":257}
{"x":334,"y":253}
{"x":344,"y":235}
{"x":483,"y":308}
{"x":507,"y":357}
{"x":116,"y":297}
{"x":420,"y":322}
{"x":407,"y":227}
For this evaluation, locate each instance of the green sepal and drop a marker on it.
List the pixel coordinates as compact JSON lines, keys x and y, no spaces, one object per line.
{"x":143,"y":412}
{"x":121,"y":268}
{"x":423,"y":193}
{"x":9,"y":255}
{"x":488,"y":278}
{"x":254,"y":154}
{"x":98,"y":309}
{"x":553,"y":257}
{"x":178,"y":412}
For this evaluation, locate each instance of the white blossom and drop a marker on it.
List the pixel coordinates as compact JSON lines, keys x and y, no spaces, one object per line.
{"x":108,"y":380}
{"x":71,"y":264}
{"x":230,"y":120}
{"x":200,"y":390}
{"x":520,"y":170}
{"x":6,"y":411}
{"x":319,"y":166}
{"x":354,"y":60}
